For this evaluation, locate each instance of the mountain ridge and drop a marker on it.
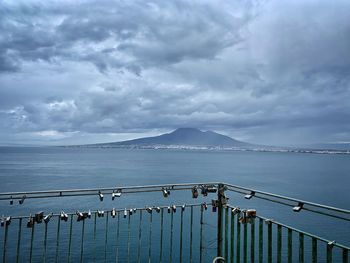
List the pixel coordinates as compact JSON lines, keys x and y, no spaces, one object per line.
{"x":182,"y":136}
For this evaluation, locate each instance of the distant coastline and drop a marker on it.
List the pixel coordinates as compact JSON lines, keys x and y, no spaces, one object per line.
{"x":212,"y":148}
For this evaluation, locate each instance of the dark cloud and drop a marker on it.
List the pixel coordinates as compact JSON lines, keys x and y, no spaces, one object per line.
{"x":263,"y":71}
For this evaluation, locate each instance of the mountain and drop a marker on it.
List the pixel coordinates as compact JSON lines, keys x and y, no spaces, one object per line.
{"x":183,"y":137}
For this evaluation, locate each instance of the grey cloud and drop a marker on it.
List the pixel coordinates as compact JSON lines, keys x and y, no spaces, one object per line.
{"x":136,"y":34}
{"x":258,"y":70}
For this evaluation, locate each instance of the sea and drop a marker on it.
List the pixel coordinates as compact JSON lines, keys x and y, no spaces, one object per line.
{"x":319,"y":178}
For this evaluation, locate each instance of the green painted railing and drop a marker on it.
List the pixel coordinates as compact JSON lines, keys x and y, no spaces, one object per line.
{"x":166,"y":233}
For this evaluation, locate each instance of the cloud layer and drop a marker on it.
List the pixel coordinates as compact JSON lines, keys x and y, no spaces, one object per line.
{"x":263,"y":71}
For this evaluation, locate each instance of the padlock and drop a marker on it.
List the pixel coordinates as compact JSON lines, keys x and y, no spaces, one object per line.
{"x":166,"y":192}
{"x":100,"y":195}
{"x":194,"y":192}
{"x":47,"y":218}
{"x":64,"y":216}
{"x":204,"y":190}
{"x":100,"y":213}
{"x":125,"y":213}
{"x":118,"y":193}
{"x":113,"y":213}
{"x":39,"y":217}
{"x":30,"y":222}
{"x":21,"y":201}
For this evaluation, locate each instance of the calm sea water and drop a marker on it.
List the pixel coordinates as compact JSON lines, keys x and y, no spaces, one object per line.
{"x":319,"y":178}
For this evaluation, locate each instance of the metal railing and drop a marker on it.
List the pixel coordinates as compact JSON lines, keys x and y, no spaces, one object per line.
{"x":184,"y":232}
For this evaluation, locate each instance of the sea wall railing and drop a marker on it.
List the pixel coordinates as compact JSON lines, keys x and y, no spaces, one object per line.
{"x":177,"y":232}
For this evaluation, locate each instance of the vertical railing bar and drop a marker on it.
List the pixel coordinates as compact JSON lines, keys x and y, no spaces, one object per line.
{"x":5,"y":242}
{"x":290,"y":245}
{"x":106,"y":237}
{"x":329,"y":253}
{"x":70,"y":238}
{"x":245,"y":242}
{"x":301,"y":247}
{"x":45,"y":243}
{"x":19,"y":239}
{"x":252,"y":240}
{"x":314,"y":250}
{"x":221,"y":199}
{"x":171,"y":236}
{"x":82,"y":242}
{"x":191,"y":233}
{"x":345,"y":255}
{"x":201,"y":237}
{"x":232,"y":236}
{"x":31,"y":244}
{"x":150,"y":239}
{"x":161,"y":235}
{"x":238,"y":240}
{"x":269,"y":242}
{"x":140,"y":235}
{"x":58,"y":239}
{"x":181,"y":233}
{"x":95,"y":218}
{"x":128,"y":247}
{"x":226,"y":233}
{"x":261,"y":240}
{"x":117,"y":241}
{"x":279,"y":243}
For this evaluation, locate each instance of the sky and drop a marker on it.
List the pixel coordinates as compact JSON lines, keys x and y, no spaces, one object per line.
{"x":269,"y":72}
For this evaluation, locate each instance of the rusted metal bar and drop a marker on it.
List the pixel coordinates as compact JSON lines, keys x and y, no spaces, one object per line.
{"x":140,"y":235}
{"x":191,"y":234}
{"x":19,"y":240}
{"x":301,"y":248}
{"x":261,"y":240}
{"x":45,"y":243}
{"x":117,"y":241}
{"x":57,"y":240}
{"x":220,"y":195}
{"x":150,"y":239}
{"x":128,"y":246}
{"x":31,"y":244}
{"x":181,"y":233}
{"x":70,"y":238}
{"x":269,"y":242}
{"x":345,"y":255}
{"x":82,"y":242}
{"x":201,"y":236}
{"x":95,"y":218}
{"x":238,"y":240}
{"x":232,"y":250}
{"x":161,"y":235}
{"x":290,"y":245}
{"x":279,"y":243}
{"x":106,"y":238}
{"x":252,"y":240}
{"x":245,"y":242}
{"x":329,"y":253}
{"x":171,"y":236}
{"x":6,"y":226}
{"x":314,"y":250}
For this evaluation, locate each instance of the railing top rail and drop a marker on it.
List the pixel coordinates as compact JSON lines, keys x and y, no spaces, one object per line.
{"x":183,"y":186}
{"x":295,"y":200}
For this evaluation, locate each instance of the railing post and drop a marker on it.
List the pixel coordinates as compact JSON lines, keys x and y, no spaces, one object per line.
{"x":221,"y":200}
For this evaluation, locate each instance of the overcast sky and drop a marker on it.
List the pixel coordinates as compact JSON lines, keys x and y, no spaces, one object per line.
{"x":270,"y":72}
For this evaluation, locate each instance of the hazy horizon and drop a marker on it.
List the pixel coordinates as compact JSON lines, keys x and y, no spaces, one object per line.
{"x":264,"y":72}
